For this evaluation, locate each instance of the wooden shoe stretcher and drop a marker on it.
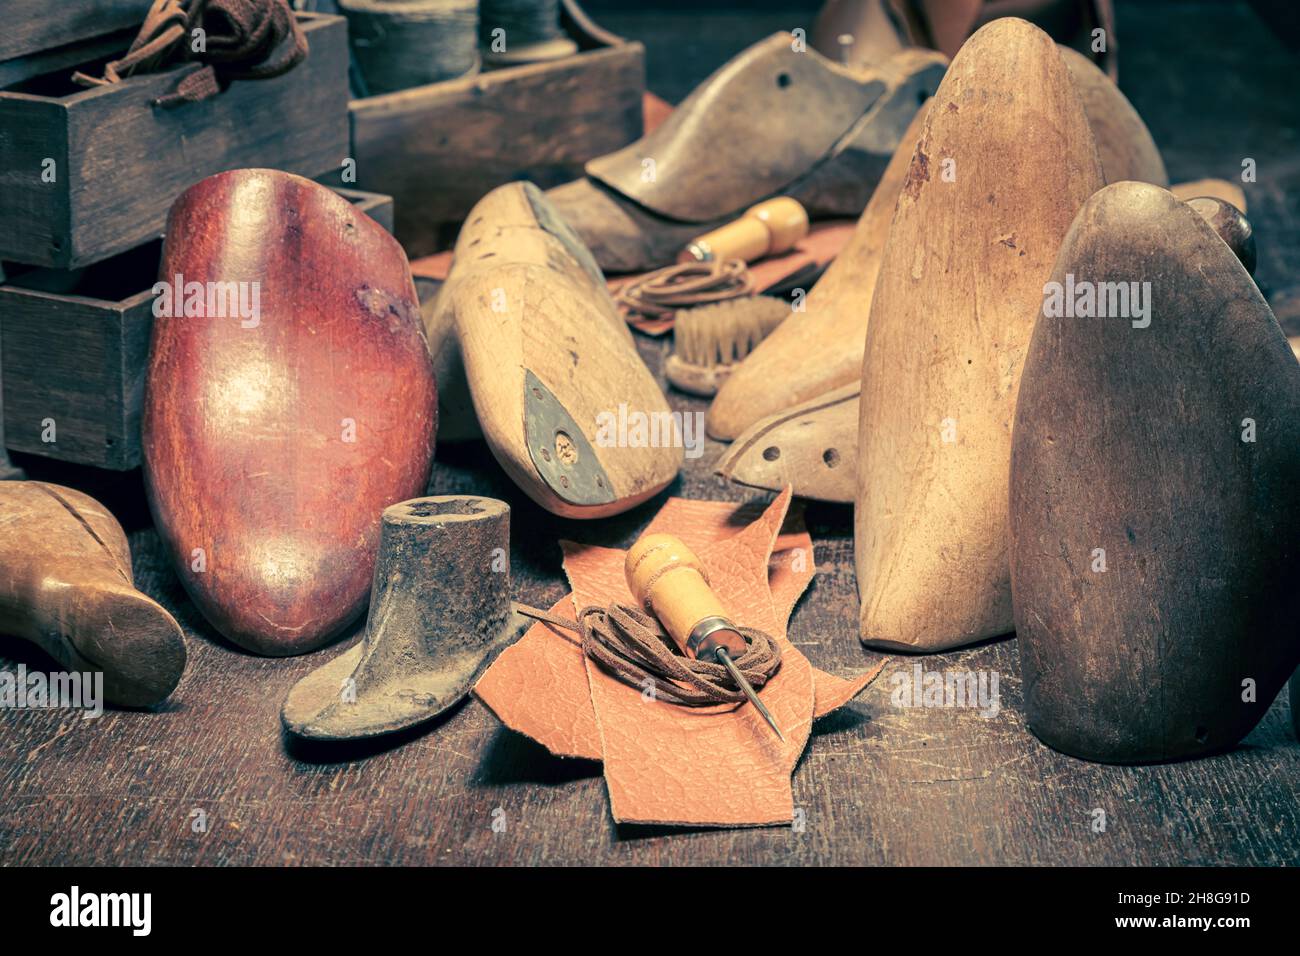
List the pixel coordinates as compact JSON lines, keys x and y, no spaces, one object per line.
{"x":66,"y":586}
{"x":273,"y":441}
{"x":713,"y":157}
{"x":960,"y":285}
{"x":548,"y":361}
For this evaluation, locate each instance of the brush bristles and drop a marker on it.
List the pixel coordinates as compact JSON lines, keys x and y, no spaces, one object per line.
{"x":725,"y":332}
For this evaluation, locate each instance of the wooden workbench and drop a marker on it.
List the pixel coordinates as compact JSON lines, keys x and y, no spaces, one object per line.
{"x":878,"y":784}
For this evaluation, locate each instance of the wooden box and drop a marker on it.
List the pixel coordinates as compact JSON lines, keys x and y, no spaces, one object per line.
{"x":438,"y":149}
{"x":36,"y":26}
{"x":117,"y":162}
{"x":75,"y":349}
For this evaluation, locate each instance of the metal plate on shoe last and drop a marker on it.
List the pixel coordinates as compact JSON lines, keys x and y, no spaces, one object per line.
{"x":560,"y":452}
{"x":552,"y":222}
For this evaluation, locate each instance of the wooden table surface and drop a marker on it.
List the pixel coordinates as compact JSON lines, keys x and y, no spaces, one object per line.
{"x":878,"y":784}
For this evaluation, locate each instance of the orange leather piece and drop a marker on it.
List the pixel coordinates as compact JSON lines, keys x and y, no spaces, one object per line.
{"x":832,"y":693}
{"x":436,"y":266}
{"x":654,"y":111}
{"x":538,"y":687}
{"x":702,"y":765}
{"x":717,"y":766}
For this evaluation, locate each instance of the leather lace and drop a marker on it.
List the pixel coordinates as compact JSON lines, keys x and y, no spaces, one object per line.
{"x":244,"y":40}
{"x":685,"y":285}
{"x":631,"y":646}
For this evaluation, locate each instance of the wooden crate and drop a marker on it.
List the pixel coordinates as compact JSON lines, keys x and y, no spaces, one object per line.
{"x":75,"y":348}
{"x":438,"y":149}
{"x":118,"y":161}
{"x":36,"y":26}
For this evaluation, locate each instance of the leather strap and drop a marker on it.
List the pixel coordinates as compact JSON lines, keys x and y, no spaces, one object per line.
{"x":664,"y":291}
{"x":632,"y":647}
{"x":245,"y":40}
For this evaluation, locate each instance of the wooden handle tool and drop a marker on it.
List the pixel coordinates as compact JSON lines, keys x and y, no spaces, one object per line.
{"x":667,"y":578}
{"x":766,"y":229}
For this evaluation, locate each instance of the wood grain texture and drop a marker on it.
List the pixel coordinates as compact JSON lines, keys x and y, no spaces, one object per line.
{"x":29,"y":28}
{"x":972,"y":242}
{"x":75,"y":379}
{"x":66,"y":586}
{"x":550,"y":363}
{"x":438,"y":149}
{"x":38,"y":218}
{"x":1155,"y":527}
{"x":879,"y":784}
{"x":108,"y":141}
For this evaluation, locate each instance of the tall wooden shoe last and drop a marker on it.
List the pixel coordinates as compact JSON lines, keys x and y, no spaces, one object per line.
{"x":1004,"y":161}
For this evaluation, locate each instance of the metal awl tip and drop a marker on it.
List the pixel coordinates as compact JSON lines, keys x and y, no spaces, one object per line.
{"x":748,"y":691}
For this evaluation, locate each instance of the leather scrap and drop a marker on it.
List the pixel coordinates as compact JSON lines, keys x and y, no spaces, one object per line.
{"x":538,"y":686}
{"x":542,"y":686}
{"x":245,"y":40}
{"x":704,"y":766}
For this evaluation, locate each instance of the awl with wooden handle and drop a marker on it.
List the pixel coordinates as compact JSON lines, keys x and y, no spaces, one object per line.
{"x":667,"y":579}
{"x":768,"y":229}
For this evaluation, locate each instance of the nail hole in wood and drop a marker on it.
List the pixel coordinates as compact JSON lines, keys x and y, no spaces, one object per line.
{"x":771,"y":453}
{"x":831,"y":456}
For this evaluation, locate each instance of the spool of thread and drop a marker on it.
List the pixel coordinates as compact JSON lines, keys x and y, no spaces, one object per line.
{"x":522,"y":31}
{"x":771,"y":227}
{"x":398,"y":44}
